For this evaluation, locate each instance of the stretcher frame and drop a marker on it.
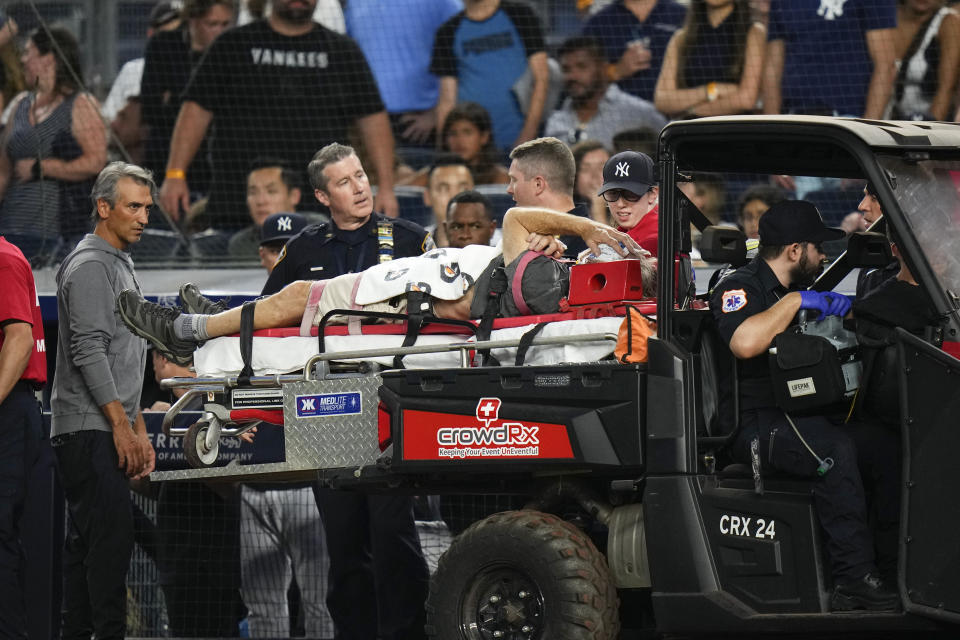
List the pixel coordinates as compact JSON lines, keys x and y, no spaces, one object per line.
{"x":311,"y":445}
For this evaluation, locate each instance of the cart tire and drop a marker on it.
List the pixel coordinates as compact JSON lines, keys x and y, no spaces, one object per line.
{"x":195,"y":446}
{"x":522,"y":575}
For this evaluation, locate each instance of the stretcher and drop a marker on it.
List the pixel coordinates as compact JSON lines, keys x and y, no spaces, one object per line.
{"x":323,"y":389}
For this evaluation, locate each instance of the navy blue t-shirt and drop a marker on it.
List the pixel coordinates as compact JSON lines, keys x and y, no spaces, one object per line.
{"x":487,"y":58}
{"x":713,"y":57}
{"x":615,"y":27}
{"x":827,"y":65}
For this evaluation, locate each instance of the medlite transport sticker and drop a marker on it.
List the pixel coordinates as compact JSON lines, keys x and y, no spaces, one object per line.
{"x":329,"y":404}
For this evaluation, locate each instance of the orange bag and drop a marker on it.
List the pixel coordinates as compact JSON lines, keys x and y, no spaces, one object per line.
{"x":632,"y":337}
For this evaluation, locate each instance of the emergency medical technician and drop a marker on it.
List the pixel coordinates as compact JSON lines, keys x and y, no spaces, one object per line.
{"x":356,"y":237}
{"x":752,"y":306}
{"x":23,"y":371}
{"x":97,"y":430}
{"x":372,"y":540}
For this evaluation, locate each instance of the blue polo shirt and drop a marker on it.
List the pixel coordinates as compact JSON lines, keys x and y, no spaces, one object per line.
{"x":827,"y":65}
{"x":397,"y":39}
{"x":487,"y":58}
{"x":615,"y":27}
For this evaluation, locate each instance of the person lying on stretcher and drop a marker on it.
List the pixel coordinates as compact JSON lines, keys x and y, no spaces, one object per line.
{"x":456,"y":282}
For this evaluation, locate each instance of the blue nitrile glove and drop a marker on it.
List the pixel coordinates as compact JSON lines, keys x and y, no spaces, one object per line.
{"x":839,"y":304}
{"x":814,"y":301}
{"x":827,"y":303}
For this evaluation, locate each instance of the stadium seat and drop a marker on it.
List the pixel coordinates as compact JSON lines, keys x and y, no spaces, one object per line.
{"x":156,"y":245}
{"x":499,"y":198}
{"x":410,"y":201}
{"x":416,"y":157}
{"x":210,"y":244}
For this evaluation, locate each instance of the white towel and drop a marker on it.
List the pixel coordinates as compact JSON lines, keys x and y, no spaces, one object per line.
{"x":443,"y":273}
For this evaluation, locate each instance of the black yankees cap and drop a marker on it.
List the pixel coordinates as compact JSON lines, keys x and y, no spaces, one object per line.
{"x":790,"y":221}
{"x":630,"y":170}
{"x":280,"y":227}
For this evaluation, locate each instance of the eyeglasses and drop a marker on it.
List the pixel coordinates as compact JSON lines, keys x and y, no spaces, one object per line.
{"x":615,"y":194}
{"x":818,"y":246}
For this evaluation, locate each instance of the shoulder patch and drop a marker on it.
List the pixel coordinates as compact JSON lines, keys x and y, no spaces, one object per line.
{"x":428,"y":244}
{"x":733,"y":300}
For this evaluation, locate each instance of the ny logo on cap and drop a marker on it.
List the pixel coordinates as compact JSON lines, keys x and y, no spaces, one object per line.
{"x":284,"y":224}
{"x":623,"y":170}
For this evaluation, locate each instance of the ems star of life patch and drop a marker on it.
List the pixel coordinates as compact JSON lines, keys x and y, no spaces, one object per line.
{"x":733,"y":300}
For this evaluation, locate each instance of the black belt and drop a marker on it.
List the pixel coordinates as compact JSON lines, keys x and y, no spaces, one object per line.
{"x":26,"y":385}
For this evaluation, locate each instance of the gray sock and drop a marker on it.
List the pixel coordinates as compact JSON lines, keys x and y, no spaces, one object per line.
{"x":188,"y":326}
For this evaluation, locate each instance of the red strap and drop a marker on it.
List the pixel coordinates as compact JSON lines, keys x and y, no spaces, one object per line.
{"x":353,"y":322}
{"x":272,"y":416}
{"x":313,"y":301}
{"x":516,"y":286}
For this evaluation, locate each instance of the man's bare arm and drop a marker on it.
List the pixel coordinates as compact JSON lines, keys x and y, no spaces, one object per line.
{"x":14,"y":354}
{"x":520,"y":222}
{"x":755,"y":334}
{"x":189,"y":131}
{"x":378,"y":140}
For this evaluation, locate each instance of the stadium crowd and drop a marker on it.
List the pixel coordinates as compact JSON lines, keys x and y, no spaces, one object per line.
{"x":223,"y":86}
{"x":431,"y":118}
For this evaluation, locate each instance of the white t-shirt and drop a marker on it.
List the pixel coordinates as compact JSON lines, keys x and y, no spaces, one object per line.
{"x":125,"y":86}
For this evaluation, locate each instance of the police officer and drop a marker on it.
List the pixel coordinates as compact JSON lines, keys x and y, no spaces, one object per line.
{"x":23,"y":370}
{"x":372,"y":540}
{"x":752,"y":306}
{"x":356,"y":237}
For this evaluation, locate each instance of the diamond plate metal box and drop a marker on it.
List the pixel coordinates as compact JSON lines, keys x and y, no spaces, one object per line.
{"x":328,"y":424}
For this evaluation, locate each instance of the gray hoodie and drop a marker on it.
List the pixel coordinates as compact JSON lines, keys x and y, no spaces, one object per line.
{"x":98,"y":358}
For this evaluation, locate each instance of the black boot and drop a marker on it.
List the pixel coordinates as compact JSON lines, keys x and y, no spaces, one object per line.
{"x":869,"y":592}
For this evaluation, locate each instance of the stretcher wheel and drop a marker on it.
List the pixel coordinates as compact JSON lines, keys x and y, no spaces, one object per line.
{"x":195,"y":446}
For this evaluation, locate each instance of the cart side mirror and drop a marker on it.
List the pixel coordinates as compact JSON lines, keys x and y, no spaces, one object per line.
{"x":724,"y":245}
{"x":868,"y":249}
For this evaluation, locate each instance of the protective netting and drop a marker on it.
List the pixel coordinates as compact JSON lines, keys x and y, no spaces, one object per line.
{"x":259,"y":98}
{"x":260,"y":103}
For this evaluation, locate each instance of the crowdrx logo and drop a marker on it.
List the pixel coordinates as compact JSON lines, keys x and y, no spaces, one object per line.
{"x":490,"y":439}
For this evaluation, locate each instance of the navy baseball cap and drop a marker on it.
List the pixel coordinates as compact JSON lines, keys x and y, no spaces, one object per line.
{"x":790,"y":221}
{"x":630,"y":170}
{"x":280,"y":227}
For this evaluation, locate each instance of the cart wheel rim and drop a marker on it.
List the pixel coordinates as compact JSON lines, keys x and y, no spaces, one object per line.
{"x":207,"y":456}
{"x":502,"y":603}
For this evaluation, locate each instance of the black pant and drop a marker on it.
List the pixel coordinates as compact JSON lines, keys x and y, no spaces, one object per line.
{"x":20,"y":434}
{"x":374,"y":549}
{"x":99,"y":540}
{"x":860,"y":452}
{"x":199,"y":559}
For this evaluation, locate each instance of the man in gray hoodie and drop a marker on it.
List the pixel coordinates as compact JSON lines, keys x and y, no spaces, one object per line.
{"x":97,"y":432}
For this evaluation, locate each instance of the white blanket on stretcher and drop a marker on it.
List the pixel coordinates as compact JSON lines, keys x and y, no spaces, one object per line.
{"x":443,"y":273}
{"x":221,"y":356}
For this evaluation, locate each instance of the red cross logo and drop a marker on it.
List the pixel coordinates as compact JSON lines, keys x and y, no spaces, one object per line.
{"x":488,"y":409}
